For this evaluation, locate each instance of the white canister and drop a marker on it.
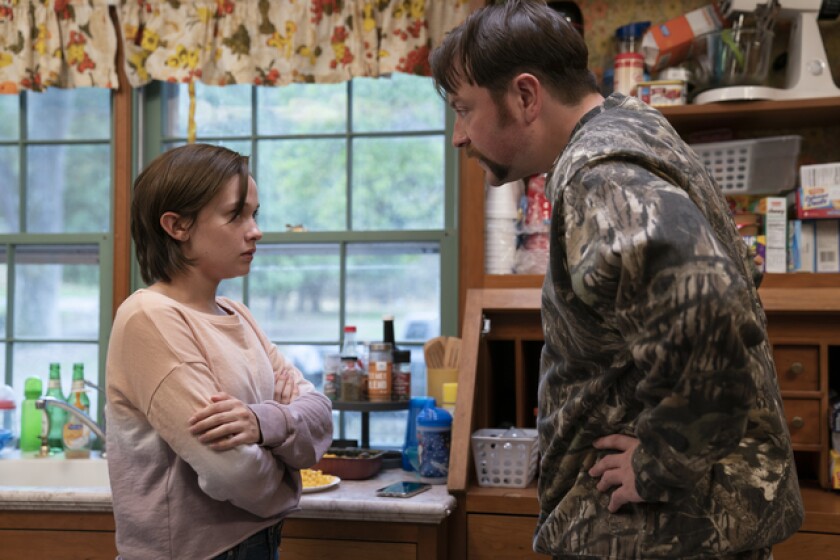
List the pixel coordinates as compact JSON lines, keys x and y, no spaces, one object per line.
{"x":629,"y":71}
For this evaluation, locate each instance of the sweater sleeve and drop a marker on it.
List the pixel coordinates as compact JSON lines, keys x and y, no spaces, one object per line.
{"x":643,"y":255}
{"x":298,"y":433}
{"x":172,"y":382}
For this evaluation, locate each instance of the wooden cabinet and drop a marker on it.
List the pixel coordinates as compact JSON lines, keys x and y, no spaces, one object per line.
{"x":316,"y":539}
{"x":90,"y":536}
{"x":57,"y":535}
{"x":497,"y":384}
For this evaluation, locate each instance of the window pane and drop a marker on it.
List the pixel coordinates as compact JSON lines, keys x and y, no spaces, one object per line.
{"x":398,"y":183}
{"x":231,"y":288}
{"x":32,"y":359}
{"x":219,"y":111}
{"x":309,"y":359}
{"x":4,"y":271}
{"x":302,"y":109}
{"x":400,"y":103}
{"x":9,"y":117}
{"x":391,"y":278}
{"x":74,"y":114}
{"x":10,"y":193}
{"x":57,"y":292}
{"x":302,"y":182}
{"x":67,"y":195}
{"x":293,"y":292}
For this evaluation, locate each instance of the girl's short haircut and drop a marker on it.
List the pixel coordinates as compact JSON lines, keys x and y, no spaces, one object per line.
{"x":182,"y":180}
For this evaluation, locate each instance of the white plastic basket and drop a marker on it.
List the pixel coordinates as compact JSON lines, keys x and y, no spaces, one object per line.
{"x":757,"y":166}
{"x":506,"y":458}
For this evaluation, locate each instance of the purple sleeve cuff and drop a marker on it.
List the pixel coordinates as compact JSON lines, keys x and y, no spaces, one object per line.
{"x":273,"y":423}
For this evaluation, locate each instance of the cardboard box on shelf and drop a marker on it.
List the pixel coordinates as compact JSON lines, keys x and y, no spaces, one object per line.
{"x":668,"y":44}
{"x":828,"y":245}
{"x":775,"y":233}
{"x":818,"y":195}
{"x":801,"y":246}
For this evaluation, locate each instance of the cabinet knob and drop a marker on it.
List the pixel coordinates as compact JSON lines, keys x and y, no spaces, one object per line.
{"x":797,"y":422}
{"x":796,"y":368}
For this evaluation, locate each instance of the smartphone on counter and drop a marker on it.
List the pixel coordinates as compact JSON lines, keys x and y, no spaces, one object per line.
{"x":404,"y":489}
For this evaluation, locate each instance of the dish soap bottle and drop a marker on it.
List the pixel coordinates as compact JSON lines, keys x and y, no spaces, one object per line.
{"x":32,"y":421}
{"x":58,"y":416}
{"x":76,"y":435}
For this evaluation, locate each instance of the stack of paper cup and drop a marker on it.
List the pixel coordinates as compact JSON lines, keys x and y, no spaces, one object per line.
{"x":501,"y":212}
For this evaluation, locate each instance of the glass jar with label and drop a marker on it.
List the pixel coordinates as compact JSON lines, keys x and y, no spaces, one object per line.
{"x":629,"y":64}
{"x":380,"y":364}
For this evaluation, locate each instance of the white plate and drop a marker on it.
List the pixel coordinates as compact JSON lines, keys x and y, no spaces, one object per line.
{"x":332,"y":483}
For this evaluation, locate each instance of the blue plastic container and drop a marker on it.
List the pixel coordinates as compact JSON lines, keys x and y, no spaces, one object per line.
{"x":409,"y":450}
{"x":434,"y":437}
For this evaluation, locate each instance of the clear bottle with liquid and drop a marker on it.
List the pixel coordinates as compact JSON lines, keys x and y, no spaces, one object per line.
{"x":58,"y":416}
{"x":76,"y":435}
{"x":352,"y":373}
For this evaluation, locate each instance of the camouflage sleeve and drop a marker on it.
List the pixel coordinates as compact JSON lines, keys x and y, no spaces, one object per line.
{"x":643,"y":256}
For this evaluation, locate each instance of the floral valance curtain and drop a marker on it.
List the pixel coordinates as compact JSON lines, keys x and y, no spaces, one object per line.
{"x":73,"y":43}
{"x":56,"y":43}
{"x":279,"y":42}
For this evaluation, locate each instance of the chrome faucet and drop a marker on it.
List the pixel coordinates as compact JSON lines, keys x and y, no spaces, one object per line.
{"x":43,"y":402}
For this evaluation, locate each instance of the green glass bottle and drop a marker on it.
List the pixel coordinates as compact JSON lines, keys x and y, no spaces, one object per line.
{"x":58,"y":416}
{"x":76,"y":436}
{"x":32,"y":420}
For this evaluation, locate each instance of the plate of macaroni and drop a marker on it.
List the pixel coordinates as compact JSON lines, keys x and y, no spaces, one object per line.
{"x":316,"y":481}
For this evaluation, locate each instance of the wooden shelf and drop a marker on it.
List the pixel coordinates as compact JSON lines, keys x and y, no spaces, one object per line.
{"x":773,"y":289}
{"x":754,"y":114}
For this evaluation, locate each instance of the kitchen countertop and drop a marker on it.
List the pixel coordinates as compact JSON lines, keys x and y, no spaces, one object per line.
{"x":351,"y":499}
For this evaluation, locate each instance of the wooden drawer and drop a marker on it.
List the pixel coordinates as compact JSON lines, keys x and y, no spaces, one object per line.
{"x":318,"y":549}
{"x":813,"y":546}
{"x":798,"y":367}
{"x":501,"y":537}
{"x":803,"y":420}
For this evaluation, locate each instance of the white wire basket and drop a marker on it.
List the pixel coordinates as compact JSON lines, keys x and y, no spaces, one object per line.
{"x":506,"y":458}
{"x":756,"y":166}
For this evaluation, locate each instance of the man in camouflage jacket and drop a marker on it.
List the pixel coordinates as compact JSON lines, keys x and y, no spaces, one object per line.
{"x":654,"y":331}
{"x":660,"y":420}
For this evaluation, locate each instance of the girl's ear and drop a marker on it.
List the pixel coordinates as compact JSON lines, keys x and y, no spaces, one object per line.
{"x":175,"y":226}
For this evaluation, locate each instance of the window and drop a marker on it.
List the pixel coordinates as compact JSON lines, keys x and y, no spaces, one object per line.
{"x":55,"y":234}
{"x":357,"y":191}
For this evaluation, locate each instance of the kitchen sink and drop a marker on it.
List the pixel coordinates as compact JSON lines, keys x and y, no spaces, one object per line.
{"x":54,"y":471}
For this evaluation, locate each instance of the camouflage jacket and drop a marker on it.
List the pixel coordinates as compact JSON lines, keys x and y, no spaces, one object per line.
{"x":653,"y":329}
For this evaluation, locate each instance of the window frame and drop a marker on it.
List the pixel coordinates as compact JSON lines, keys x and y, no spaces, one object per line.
{"x":104,"y":241}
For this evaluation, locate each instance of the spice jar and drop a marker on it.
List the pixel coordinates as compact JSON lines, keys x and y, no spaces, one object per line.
{"x":401,"y":378}
{"x":380,"y":363}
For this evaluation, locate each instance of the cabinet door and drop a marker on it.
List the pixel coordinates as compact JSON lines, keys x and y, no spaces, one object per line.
{"x":57,"y":545}
{"x":319,"y":549}
{"x":501,"y":537}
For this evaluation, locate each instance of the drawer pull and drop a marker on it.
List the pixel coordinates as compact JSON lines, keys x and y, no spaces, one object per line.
{"x":797,"y":422}
{"x":796,"y":368}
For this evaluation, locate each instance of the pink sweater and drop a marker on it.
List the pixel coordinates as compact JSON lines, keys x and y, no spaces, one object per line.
{"x":175,"y":498}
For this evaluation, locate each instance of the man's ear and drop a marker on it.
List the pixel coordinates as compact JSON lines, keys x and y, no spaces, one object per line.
{"x":528,"y":90}
{"x":177,"y":228}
